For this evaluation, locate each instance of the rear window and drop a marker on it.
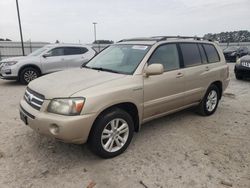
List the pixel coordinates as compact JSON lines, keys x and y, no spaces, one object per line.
{"x":212,"y":54}
{"x":191,"y":54}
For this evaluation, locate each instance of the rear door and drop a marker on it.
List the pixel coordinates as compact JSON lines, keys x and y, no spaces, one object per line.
{"x":196,"y":72}
{"x":199,"y":72}
{"x":164,"y":93}
{"x":76,"y":56}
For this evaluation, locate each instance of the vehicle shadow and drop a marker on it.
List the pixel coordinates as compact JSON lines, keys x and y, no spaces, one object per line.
{"x":8,"y":83}
{"x":49,"y":155}
{"x":62,"y":151}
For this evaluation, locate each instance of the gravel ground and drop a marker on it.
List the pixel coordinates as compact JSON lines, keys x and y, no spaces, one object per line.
{"x":179,"y":150}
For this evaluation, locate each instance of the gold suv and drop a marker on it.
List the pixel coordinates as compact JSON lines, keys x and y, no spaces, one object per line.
{"x":124,"y":86}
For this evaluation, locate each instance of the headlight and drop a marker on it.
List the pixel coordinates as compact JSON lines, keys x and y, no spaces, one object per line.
{"x":238,"y":61}
{"x":9,"y":63}
{"x":66,"y":106}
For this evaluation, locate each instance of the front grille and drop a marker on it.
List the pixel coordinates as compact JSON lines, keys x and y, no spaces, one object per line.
{"x":34,"y":99}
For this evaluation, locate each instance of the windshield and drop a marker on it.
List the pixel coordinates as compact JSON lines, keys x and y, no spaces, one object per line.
{"x":232,"y":48}
{"x":119,"y":58}
{"x":39,"y":51}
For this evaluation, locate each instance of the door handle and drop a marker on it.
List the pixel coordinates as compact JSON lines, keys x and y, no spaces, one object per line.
{"x":179,"y":75}
{"x":206,"y":68}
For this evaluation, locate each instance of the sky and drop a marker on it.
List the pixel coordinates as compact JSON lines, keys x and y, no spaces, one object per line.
{"x":71,"y":21}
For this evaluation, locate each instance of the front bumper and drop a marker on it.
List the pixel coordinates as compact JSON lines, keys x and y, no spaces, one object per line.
{"x":8,"y":73}
{"x":8,"y":77}
{"x":71,"y":129}
{"x":242,"y":71}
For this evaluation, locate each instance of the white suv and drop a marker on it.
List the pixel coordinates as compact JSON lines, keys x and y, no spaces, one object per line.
{"x":48,"y":59}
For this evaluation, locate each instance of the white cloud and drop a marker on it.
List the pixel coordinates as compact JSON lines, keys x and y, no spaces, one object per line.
{"x":71,"y":21}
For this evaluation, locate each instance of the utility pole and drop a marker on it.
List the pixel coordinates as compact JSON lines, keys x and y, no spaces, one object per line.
{"x":94,"y":23}
{"x":20,"y":27}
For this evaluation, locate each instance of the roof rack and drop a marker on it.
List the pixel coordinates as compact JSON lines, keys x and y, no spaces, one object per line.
{"x":138,"y":39}
{"x":161,"y":38}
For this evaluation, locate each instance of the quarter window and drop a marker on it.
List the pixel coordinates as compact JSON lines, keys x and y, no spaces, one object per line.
{"x":191,"y":54}
{"x":212,"y":54}
{"x":167,"y":55}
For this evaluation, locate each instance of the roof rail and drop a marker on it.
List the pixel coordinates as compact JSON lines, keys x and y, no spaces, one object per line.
{"x":138,"y":39}
{"x":161,"y":38}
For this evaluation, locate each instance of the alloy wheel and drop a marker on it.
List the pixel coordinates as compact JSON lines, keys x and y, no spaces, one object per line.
{"x":211,"y":100}
{"x":115,"y":135}
{"x":29,"y":75}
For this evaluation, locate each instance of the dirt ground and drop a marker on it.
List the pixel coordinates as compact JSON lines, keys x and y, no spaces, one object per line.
{"x":180,"y":150}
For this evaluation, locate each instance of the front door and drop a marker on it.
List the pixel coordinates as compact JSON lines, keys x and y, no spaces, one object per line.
{"x":54,"y":61}
{"x":164,"y":93}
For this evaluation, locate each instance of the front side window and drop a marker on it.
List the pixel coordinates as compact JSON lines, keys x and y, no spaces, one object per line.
{"x":120,"y":58}
{"x":191,"y":54}
{"x":167,"y":55}
{"x":39,"y":51}
{"x":57,"y":52}
{"x":212,"y":54}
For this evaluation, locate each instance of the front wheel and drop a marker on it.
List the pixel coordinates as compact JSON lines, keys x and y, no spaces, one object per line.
{"x":209,"y":103}
{"x":111,"y":133}
{"x":28,"y":74}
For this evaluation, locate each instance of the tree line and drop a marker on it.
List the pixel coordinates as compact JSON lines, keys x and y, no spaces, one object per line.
{"x":232,"y":36}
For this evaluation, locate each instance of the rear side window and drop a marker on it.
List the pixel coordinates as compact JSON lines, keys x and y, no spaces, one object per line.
{"x":191,"y":54}
{"x":167,"y":55}
{"x":212,"y":54}
{"x":74,"y":50}
{"x":203,"y":55}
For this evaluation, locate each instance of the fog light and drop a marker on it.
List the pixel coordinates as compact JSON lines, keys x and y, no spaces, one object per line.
{"x":54,"y":129}
{"x":7,"y":71}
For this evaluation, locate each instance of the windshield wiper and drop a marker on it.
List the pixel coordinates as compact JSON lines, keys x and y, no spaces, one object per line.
{"x":104,"y":69}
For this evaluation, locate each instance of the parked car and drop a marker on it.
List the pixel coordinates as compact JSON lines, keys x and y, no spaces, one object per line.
{"x":233,"y":53}
{"x":50,"y":58}
{"x":124,"y":86}
{"x":242,"y":68}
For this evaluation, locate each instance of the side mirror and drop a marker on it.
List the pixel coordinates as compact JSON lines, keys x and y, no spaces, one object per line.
{"x":46,"y":55}
{"x":154,"y":69}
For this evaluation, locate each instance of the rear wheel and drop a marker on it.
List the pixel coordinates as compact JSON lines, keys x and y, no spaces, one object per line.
{"x":209,"y":103}
{"x":28,"y":74}
{"x":112,"y":133}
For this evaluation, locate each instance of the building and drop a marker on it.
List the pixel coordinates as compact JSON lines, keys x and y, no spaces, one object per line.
{"x":12,"y":49}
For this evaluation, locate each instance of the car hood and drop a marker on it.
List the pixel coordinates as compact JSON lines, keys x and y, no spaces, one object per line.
{"x":245,"y":58}
{"x":229,"y":51}
{"x":67,"y":83}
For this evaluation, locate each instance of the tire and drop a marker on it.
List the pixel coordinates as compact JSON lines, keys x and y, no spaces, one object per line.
{"x":238,"y":76}
{"x":209,"y":104}
{"x":103,"y":128}
{"x":28,"y":74}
